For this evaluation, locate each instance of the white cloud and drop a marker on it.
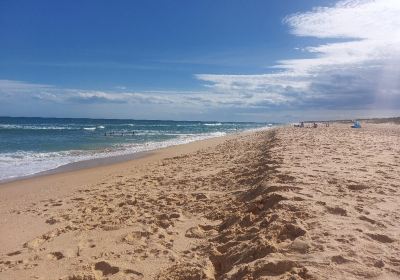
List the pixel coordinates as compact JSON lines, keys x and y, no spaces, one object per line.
{"x":364,"y":19}
{"x":19,"y":90}
{"x":359,"y":69}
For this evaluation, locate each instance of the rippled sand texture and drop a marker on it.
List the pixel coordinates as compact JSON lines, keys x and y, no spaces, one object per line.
{"x":290,"y":203}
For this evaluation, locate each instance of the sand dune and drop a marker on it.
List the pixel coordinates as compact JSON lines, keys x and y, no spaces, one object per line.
{"x":287,"y":203}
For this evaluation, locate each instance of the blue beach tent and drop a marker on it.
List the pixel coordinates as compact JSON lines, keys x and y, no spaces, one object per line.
{"x":356,"y":125}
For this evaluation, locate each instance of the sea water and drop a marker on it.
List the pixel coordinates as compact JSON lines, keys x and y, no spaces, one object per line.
{"x":33,"y":145}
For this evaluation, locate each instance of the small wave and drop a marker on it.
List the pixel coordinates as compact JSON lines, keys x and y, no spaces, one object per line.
{"x":89,"y":128}
{"x":9,"y":126}
{"x":27,"y":163}
{"x":100,"y":127}
{"x":213,"y":124}
{"x":33,"y":127}
{"x":142,"y":125}
{"x":188,"y":125}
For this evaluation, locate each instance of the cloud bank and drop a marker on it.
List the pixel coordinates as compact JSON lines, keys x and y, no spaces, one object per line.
{"x":358,"y":70}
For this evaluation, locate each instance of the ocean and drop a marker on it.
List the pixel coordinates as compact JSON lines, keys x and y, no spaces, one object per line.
{"x":33,"y":145}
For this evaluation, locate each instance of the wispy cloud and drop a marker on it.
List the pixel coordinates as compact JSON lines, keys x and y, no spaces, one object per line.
{"x":359,"y":70}
{"x":12,"y":86}
{"x":19,"y":90}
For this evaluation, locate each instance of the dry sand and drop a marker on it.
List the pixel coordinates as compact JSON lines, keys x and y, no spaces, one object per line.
{"x":289,"y":203}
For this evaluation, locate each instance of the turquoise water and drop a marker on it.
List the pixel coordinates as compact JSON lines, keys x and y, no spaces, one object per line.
{"x":32,"y":145}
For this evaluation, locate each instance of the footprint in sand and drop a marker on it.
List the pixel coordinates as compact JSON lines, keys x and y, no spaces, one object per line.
{"x":357,"y":187}
{"x":381,"y":238}
{"x":337,"y":210}
{"x":339,"y":259}
{"x":195,"y":232}
{"x":105,"y":268}
{"x":55,"y":256}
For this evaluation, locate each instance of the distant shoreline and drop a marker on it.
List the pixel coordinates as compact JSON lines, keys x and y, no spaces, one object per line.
{"x":110,"y":160}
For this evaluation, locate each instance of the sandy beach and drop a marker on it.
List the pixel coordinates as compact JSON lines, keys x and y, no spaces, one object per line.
{"x":285,"y":203}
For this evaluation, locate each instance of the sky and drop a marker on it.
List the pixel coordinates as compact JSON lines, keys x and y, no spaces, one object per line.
{"x":227,"y":60}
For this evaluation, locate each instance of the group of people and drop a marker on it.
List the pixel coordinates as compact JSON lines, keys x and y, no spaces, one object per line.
{"x":314,"y":125}
{"x":356,"y":124}
{"x":113,"y":133}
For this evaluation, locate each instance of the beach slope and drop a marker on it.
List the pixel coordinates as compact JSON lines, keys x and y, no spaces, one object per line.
{"x":286,"y":203}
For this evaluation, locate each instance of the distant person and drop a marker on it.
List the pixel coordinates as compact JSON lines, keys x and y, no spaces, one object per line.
{"x":315,"y":125}
{"x":302,"y":124}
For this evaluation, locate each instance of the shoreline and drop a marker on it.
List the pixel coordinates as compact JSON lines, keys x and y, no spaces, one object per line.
{"x":91,"y":165}
{"x":110,"y":160}
{"x":78,"y":165}
{"x":36,"y":147}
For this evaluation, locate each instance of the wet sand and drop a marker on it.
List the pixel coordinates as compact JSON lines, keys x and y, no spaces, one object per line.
{"x":288,"y":203}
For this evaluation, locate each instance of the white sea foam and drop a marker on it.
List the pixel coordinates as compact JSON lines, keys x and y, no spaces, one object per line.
{"x":260,"y":128}
{"x":23,"y":163}
{"x":34,"y":127}
{"x":213,"y":124}
{"x":142,"y":125}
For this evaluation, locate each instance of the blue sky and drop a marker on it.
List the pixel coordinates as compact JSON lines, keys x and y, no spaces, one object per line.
{"x":203,"y":60}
